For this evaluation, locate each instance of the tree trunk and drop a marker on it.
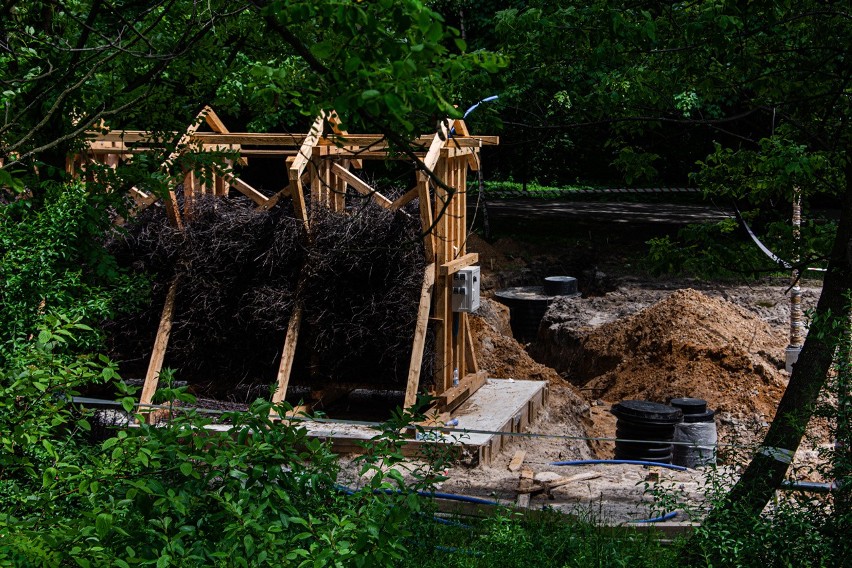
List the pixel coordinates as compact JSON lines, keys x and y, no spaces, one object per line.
{"x":764,"y":474}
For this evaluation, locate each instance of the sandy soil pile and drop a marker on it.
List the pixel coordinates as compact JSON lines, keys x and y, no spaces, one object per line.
{"x":688,"y":345}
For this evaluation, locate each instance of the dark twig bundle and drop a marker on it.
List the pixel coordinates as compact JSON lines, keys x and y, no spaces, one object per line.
{"x":241,"y":274}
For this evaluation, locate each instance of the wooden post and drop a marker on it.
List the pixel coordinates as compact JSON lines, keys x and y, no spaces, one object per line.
{"x":419,"y":336}
{"x":155,"y":364}
{"x":287,"y":355}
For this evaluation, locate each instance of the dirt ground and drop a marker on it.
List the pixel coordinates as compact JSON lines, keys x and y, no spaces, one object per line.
{"x":632,"y":337}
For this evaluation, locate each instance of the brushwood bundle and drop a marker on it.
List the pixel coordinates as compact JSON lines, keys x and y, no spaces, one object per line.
{"x":242,"y":272}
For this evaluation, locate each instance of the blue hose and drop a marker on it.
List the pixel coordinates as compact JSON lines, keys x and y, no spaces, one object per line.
{"x":666,"y":517}
{"x":448,"y":496}
{"x":473,"y":108}
{"x":632,"y":462}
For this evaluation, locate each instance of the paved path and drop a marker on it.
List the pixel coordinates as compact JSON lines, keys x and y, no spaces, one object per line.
{"x":610,"y":212}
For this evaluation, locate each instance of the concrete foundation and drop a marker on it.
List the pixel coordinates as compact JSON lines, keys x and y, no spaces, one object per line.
{"x":501,"y":405}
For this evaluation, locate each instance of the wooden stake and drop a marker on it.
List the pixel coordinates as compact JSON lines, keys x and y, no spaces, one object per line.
{"x":419,"y":336}
{"x":155,"y":364}
{"x":287,"y":355}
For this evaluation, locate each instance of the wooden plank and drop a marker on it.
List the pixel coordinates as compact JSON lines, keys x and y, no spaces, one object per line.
{"x":472,"y":363}
{"x":434,"y":153}
{"x":317,"y":186}
{"x":361,"y":186}
{"x":454,"y":266}
{"x":547,"y":486}
{"x":406,"y":198}
{"x":246,"y":189}
{"x":306,"y":150}
{"x":288,"y":353}
{"x":517,"y":461}
{"x":469,"y":384}
{"x":155,"y":363}
{"x":141,"y":198}
{"x":188,"y":193}
{"x":524,"y":483}
{"x":172,"y":211}
{"x":297,"y":192}
{"x":419,"y":343}
{"x":213,"y":121}
{"x":460,"y":128}
{"x":426,"y":218}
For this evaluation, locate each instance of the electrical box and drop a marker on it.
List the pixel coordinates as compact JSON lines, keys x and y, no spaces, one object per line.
{"x":466,"y":290}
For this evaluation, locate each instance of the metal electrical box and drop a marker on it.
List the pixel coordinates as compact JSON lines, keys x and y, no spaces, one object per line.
{"x":466,"y":290}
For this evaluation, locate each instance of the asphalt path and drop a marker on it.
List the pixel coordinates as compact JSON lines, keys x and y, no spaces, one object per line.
{"x":605,"y":212}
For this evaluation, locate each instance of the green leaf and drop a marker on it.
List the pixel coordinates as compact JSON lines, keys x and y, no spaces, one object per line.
{"x":186,"y":468}
{"x":48,"y":478}
{"x":103,"y":524}
{"x":370,"y":94}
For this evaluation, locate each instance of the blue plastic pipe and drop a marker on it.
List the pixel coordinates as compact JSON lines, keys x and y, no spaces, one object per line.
{"x":448,"y":496}
{"x":666,"y":517}
{"x":473,"y":108}
{"x":631,"y":462}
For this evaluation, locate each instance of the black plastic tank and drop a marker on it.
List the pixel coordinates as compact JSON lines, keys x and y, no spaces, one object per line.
{"x":650,"y":427}
{"x":528,"y":304}
{"x":696,"y":434}
{"x":560,"y":286}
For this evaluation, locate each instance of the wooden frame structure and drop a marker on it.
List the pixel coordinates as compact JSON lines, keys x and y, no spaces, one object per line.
{"x":322,"y":162}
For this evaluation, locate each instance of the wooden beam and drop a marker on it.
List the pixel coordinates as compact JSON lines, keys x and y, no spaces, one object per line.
{"x":213,"y":121}
{"x":306,"y":150}
{"x":141,"y":198}
{"x":155,"y":363}
{"x":471,"y":361}
{"x":524,"y":483}
{"x":405,"y":198}
{"x":426,"y":217}
{"x":361,"y":186}
{"x":454,"y":396}
{"x":288,"y":353}
{"x":454,"y":266}
{"x":246,"y":189}
{"x":297,"y":192}
{"x":416,"y":363}
{"x":437,"y":143}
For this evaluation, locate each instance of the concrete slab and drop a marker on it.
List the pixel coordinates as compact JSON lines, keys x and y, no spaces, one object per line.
{"x":501,"y":405}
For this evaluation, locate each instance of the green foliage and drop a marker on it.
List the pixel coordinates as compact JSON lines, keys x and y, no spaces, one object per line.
{"x":52,"y":263}
{"x":724,"y":250}
{"x":183,"y":492}
{"x":384,"y":64}
{"x":511,"y":189}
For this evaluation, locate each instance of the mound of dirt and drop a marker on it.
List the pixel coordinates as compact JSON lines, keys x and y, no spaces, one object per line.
{"x":498,"y":352}
{"x":687,"y":345}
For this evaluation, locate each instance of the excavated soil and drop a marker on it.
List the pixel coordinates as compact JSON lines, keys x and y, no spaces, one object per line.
{"x":630,"y":336}
{"x":687,"y":345}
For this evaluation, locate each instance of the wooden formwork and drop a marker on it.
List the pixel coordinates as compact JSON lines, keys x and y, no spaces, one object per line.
{"x":323,"y":162}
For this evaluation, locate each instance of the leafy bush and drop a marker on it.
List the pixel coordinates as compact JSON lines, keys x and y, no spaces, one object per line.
{"x":182,"y":492}
{"x":52,"y":262}
{"x":723,"y":249}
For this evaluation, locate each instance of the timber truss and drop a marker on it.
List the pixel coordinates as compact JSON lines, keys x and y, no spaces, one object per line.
{"x":322,"y":162}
